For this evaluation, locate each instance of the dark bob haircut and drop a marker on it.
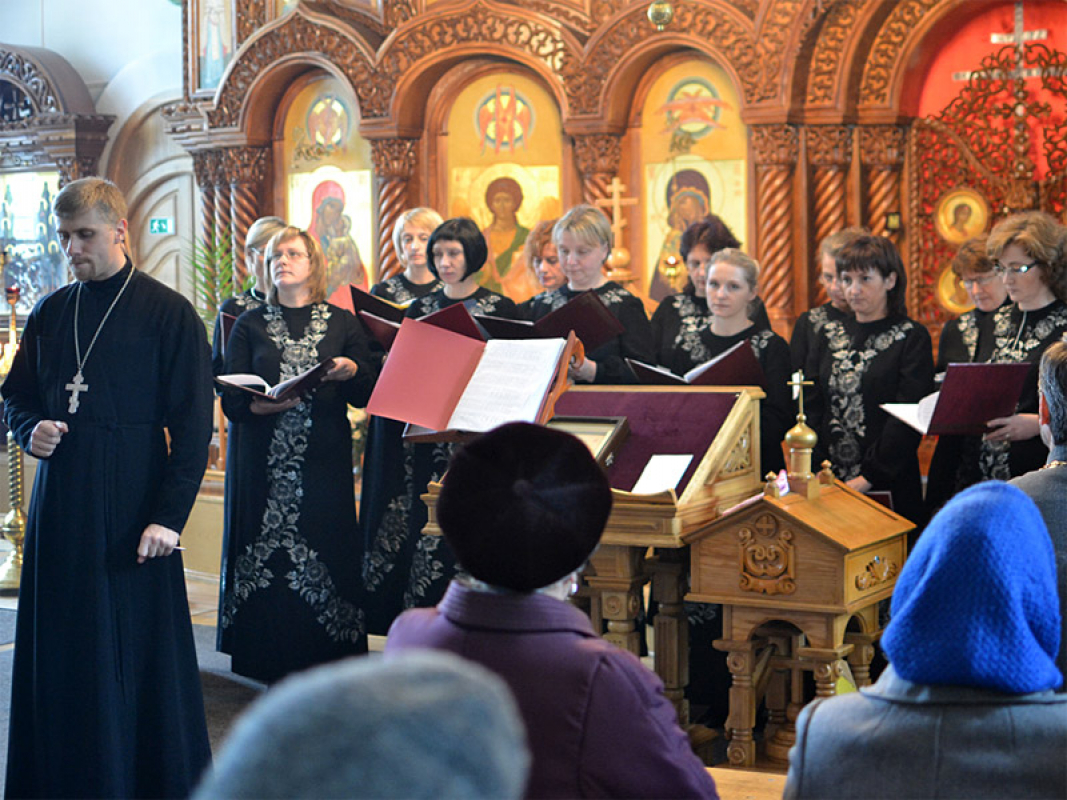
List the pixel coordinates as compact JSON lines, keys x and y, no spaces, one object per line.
{"x":711,"y":232}
{"x":870,"y":253}
{"x":465,"y":231}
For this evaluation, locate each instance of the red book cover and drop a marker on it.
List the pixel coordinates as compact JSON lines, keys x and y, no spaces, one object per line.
{"x":738,"y":366}
{"x":586,"y":315}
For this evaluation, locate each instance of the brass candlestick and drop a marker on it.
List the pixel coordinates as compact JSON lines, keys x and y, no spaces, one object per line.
{"x":14,"y":526}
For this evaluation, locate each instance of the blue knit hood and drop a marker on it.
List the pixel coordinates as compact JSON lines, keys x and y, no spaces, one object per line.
{"x":976,"y":603}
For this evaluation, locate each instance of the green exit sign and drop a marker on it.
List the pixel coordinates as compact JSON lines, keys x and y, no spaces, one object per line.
{"x":161,"y":225}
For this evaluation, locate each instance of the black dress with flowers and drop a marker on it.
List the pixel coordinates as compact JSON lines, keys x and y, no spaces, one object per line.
{"x":402,"y":568}
{"x":860,"y":366}
{"x":290,"y":587}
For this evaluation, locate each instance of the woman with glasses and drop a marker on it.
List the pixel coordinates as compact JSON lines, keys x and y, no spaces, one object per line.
{"x":876,"y":356}
{"x":291,"y":544}
{"x":963,"y":340}
{"x":1030,"y":253}
{"x":542,"y":261}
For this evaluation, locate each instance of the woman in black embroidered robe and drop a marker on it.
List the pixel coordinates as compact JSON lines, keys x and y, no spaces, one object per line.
{"x":583,"y":240}
{"x":402,"y":567}
{"x":962,"y":339}
{"x":878,"y":356}
{"x":383,"y":457}
{"x":1030,"y":253}
{"x":290,"y":592}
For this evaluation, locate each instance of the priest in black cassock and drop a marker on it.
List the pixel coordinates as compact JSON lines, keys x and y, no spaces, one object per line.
{"x":106,"y":698}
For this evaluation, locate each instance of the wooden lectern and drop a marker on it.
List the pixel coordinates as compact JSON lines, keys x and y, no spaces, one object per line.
{"x":719,"y":427}
{"x":799,"y":576}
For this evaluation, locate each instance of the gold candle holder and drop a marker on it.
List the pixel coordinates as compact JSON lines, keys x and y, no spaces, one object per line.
{"x":14,"y":525}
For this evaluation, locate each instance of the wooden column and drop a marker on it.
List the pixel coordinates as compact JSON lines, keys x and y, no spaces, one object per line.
{"x":223,"y":204}
{"x":669,"y":570}
{"x":598,"y":157}
{"x":394,"y":164}
{"x":246,"y":169}
{"x":882,"y":150}
{"x":829,"y":153}
{"x":71,"y":168}
{"x":205,"y":165}
{"x":617,"y":576}
{"x":775,"y":149}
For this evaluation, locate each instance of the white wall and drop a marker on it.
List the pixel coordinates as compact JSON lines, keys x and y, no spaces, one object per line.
{"x":100,"y":37}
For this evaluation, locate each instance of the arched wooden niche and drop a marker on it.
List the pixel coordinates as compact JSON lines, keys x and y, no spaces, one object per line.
{"x":49,"y":135}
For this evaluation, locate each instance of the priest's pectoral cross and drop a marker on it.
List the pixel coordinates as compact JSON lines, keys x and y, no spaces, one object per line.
{"x":76,"y":387}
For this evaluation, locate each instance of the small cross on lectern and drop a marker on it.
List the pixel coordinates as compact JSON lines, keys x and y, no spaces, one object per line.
{"x":797,"y":382}
{"x":76,"y":387}
{"x":615,"y":201}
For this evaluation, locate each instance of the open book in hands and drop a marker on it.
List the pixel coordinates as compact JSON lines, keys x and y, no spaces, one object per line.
{"x":296,"y":386}
{"x":737,"y":366}
{"x":970,"y":396}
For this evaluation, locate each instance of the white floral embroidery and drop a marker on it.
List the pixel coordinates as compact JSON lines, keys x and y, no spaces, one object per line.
{"x":309,"y":577}
{"x":692,"y":320}
{"x":847,"y":416}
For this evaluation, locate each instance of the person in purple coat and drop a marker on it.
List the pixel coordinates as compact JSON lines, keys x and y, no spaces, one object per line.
{"x":523,"y":507}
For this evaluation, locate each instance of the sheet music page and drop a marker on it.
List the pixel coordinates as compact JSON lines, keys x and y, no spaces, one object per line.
{"x":511,"y":381}
{"x":662,"y":472}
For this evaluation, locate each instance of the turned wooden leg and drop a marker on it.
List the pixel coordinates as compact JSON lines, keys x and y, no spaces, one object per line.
{"x":741,"y":752}
{"x":861,"y":656}
{"x":672,"y":632}
{"x":618,"y":581}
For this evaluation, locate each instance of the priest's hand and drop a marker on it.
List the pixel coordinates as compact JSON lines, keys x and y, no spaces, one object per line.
{"x":1013,"y":429}
{"x":45,"y":437}
{"x":265,"y":407}
{"x":342,"y":369}
{"x":156,"y":541}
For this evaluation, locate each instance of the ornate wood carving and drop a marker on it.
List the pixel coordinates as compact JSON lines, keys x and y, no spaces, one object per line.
{"x":71,"y":168}
{"x":397,"y":12}
{"x":297,"y":35}
{"x":394,"y":164}
{"x":477,"y":24}
{"x":584,"y":78}
{"x":775,"y":148}
{"x":598,"y":157}
{"x":765,"y":549}
{"x":985,"y":140}
{"x":824,"y":74}
{"x":24,"y":72}
{"x":877,"y":572}
{"x":245,"y":168}
{"x":250,"y":16}
{"x":562,"y":12}
{"x":883,"y":56}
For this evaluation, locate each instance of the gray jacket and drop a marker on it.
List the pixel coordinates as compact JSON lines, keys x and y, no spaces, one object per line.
{"x":901,"y":740}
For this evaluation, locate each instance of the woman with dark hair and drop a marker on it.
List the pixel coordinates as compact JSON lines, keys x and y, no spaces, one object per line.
{"x":289,"y":584}
{"x":876,"y":356}
{"x":583,"y":240}
{"x":402,"y":568}
{"x":1030,"y":254}
{"x":965,"y":339}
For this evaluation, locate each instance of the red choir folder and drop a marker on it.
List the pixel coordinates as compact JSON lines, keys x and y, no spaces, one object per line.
{"x":738,"y":366}
{"x":365,"y":301}
{"x":455,"y":318}
{"x":586,"y":315}
{"x":970,"y":396}
{"x":445,"y":382}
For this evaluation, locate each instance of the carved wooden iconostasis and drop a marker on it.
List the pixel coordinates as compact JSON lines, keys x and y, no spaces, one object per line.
{"x":791,"y":119}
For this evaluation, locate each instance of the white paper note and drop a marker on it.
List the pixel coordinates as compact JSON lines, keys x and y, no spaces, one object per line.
{"x":662,"y":472}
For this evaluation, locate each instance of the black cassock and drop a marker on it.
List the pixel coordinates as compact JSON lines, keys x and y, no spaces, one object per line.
{"x":402,"y":568}
{"x":106,"y":698}
{"x":290,"y":593}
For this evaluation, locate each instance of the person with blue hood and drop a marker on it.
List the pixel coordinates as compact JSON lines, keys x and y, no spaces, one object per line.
{"x":966,"y":707}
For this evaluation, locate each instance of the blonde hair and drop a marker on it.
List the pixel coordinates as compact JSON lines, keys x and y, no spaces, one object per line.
{"x":91,"y":194}
{"x":316,"y":263}
{"x":261,"y":232}
{"x":735,"y":258}
{"x":586,"y":222}
{"x":422,"y":217}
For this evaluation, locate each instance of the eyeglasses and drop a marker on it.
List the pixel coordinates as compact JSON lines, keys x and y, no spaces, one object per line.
{"x":288,"y":255}
{"x":970,"y":283}
{"x":1022,"y":269}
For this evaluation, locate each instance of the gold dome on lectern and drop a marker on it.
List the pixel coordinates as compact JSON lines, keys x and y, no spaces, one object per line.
{"x":800,"y":436}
